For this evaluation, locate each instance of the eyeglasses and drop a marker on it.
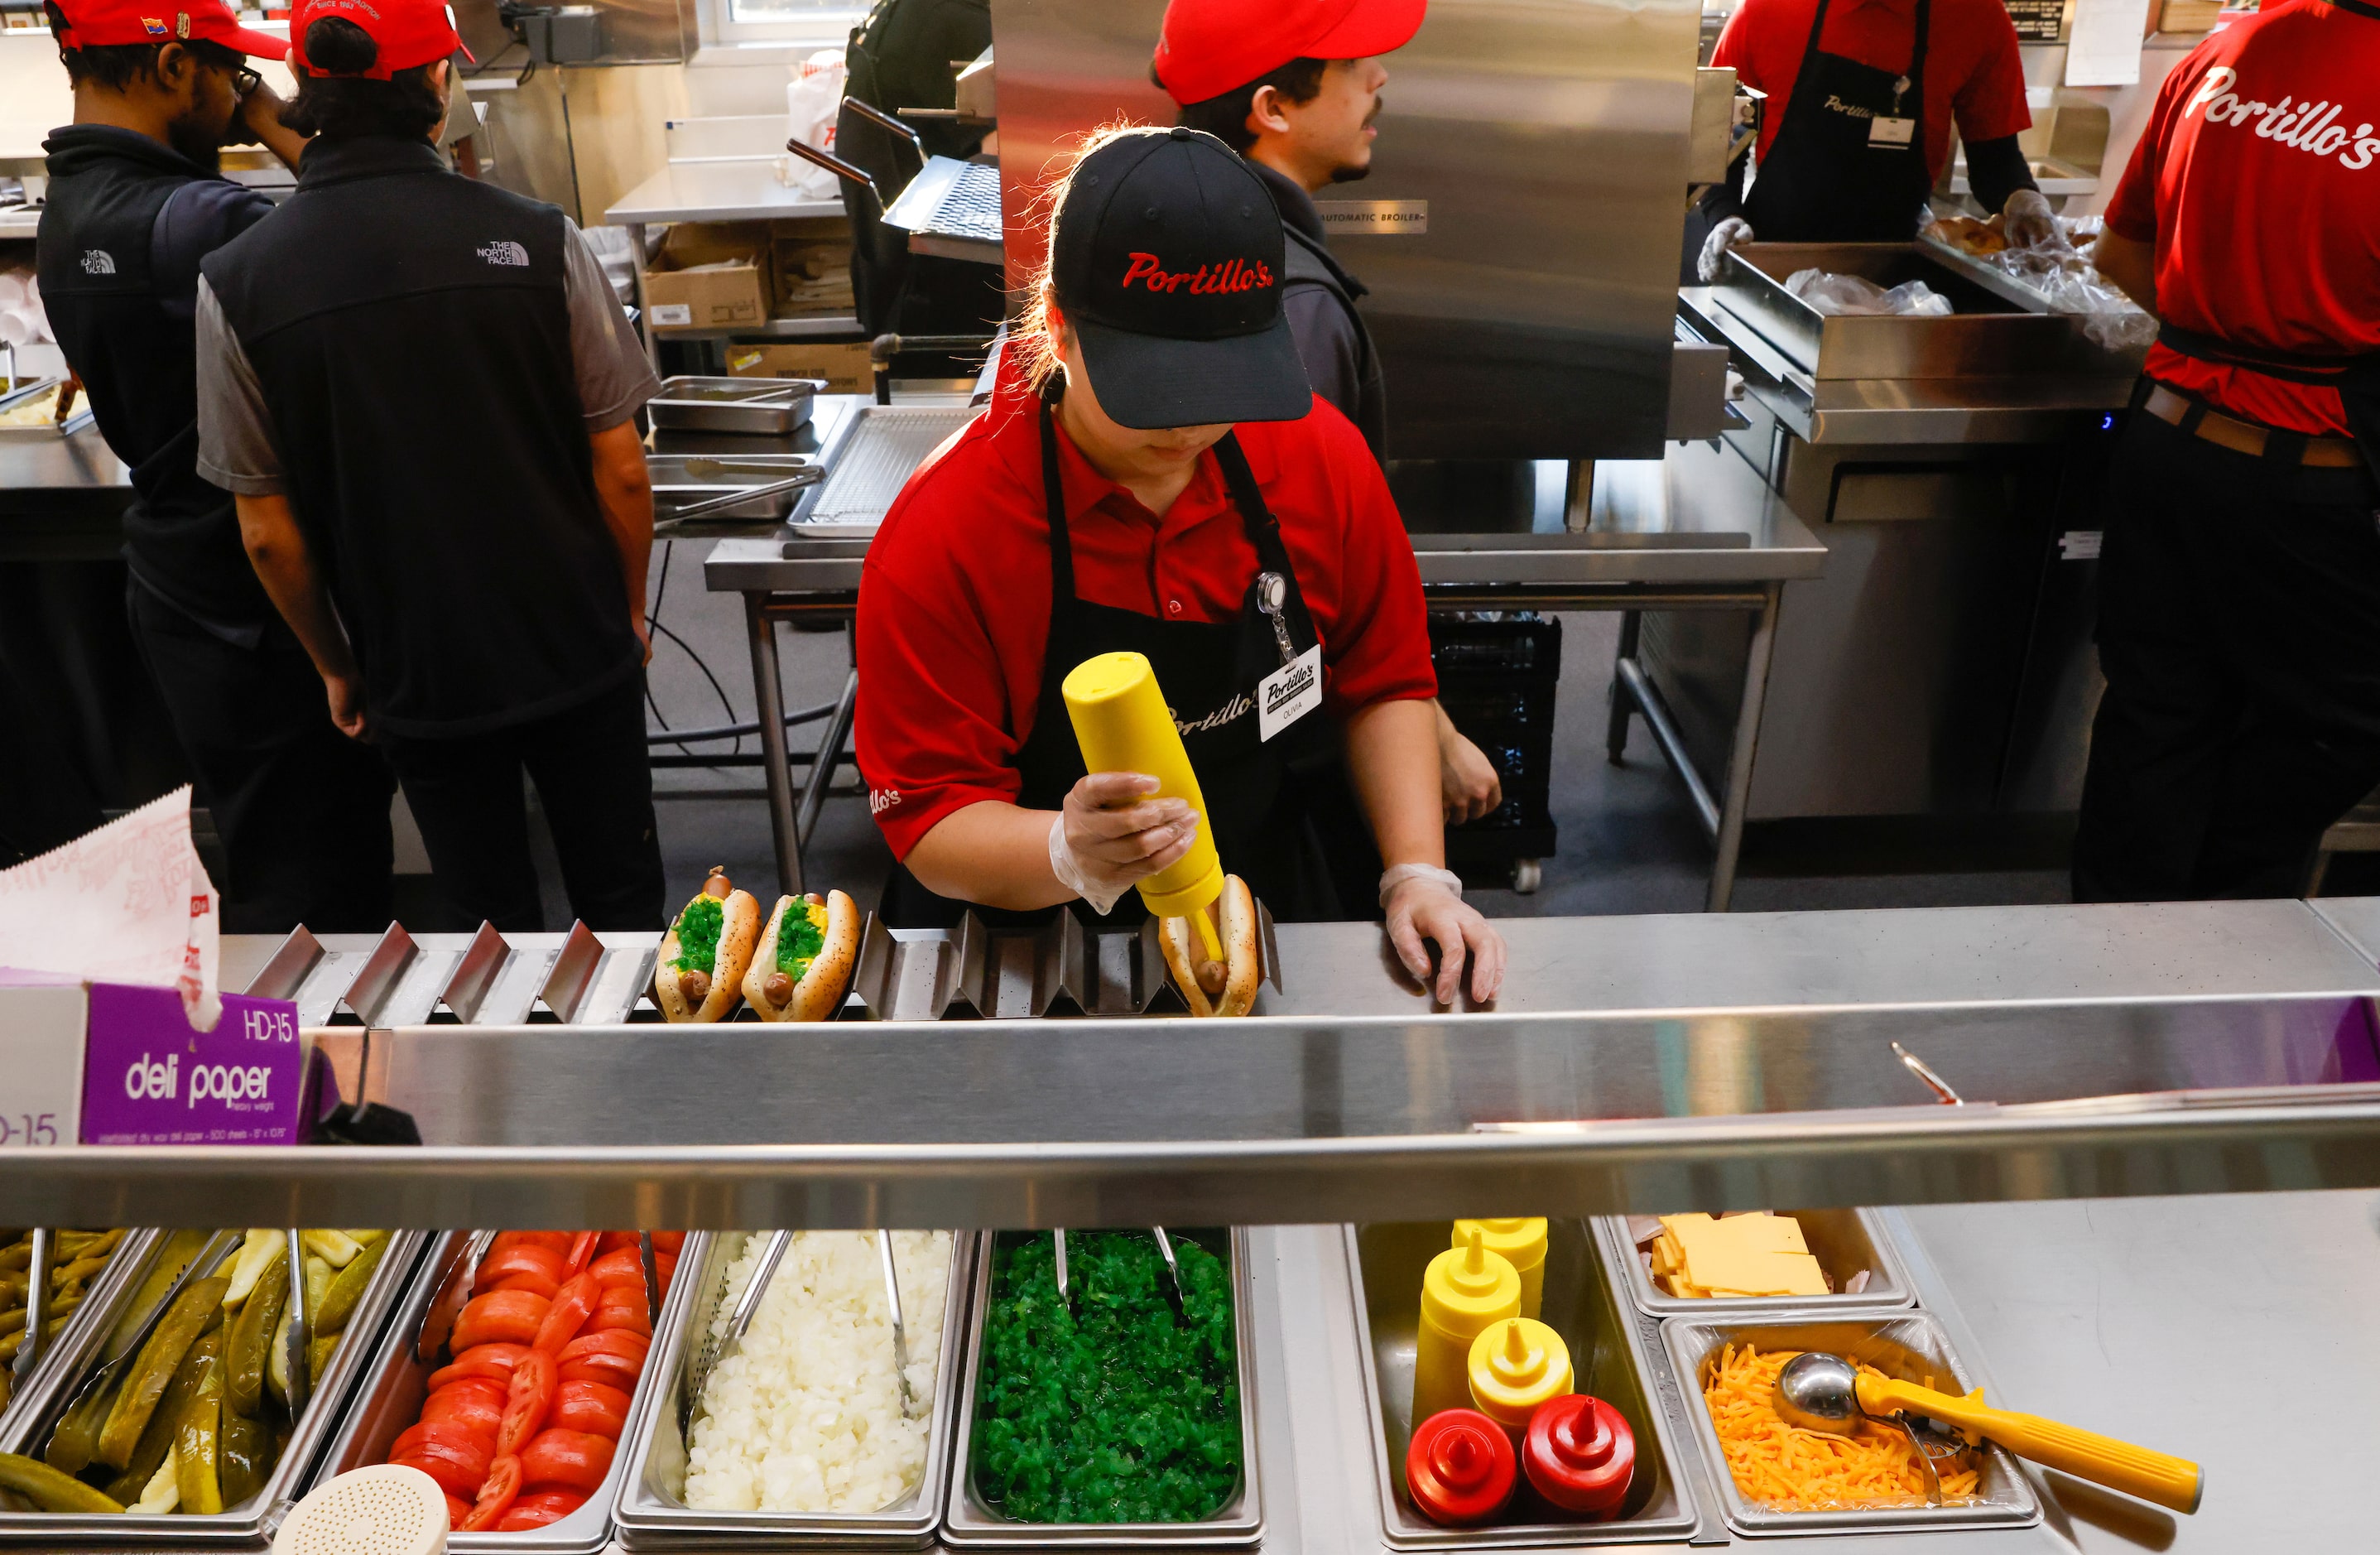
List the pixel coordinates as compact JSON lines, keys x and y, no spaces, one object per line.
{"x":245,"y":81}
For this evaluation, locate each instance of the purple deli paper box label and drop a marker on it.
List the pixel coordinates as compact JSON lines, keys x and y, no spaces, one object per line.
{"x":150,"y":1078}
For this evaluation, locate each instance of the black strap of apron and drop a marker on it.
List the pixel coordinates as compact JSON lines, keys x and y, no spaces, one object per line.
{"x":2290,"y":367}
{"x":1264,"y":529}
{"x":2358,"y":6}
{"x":1916,"y":71}
{"x":1053,"y":498}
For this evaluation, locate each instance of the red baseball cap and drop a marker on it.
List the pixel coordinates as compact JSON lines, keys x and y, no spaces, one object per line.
{"x":1206,"y":47}
{"x":106,"y":24}
{"x":409,"y":32}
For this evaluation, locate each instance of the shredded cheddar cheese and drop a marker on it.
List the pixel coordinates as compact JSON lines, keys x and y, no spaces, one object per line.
{"x":1788,"y":1469}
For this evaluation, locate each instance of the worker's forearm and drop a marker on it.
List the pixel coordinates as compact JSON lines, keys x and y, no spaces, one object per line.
{"x":1997,"y":169}
{"x":624,"y":492}
{"x":1393,"y":760}
{"x":2131,"y":265}
{"x":276,"y":549}
{"x":993,"y":853}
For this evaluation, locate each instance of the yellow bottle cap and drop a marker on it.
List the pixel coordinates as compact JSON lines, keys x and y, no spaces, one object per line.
{"x":1468,"y":1286}
{"x":1521,"y":1240}
{"x":1515,"y":1365}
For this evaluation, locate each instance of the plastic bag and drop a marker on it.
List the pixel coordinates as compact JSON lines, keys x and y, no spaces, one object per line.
{"x":1831,"y":293}
{"x":2065,"y":281}
{"x":812,"y":99}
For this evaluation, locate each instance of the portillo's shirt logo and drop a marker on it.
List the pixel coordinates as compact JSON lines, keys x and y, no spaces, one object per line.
{"x":2318,"y":127}
{"x":1208,"y":280}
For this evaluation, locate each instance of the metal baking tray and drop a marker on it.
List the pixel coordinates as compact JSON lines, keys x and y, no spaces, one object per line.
{"x":25,"y":1395}
{"x":390,"y":1400}
{"x":250,"y":1526}
{"x":1844,"y":1241}
{"x":683,"y":480}
{"x":650,"y":1510}
{"x":1385,"y":1264}
{"x":1907,"y":1343}
{"x":969,"y":1523}
{"x":735,"y":405}
{"x":1987,"y":335}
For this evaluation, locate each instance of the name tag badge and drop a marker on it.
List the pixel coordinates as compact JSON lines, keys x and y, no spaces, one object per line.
{"x":1883,"y":131}
{"x":1288,"y":693}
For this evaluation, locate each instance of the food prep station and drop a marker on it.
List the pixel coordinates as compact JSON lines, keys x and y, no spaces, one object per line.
{"x":2177,"y":1105}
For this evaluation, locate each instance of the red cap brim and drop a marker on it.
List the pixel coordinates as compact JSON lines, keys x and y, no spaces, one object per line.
{"x":256,"y":45}
{"x":1373,"y":27}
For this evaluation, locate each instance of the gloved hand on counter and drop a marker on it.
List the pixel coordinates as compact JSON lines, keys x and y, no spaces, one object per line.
{"x":2027,"y":222}
{"x":1726,"y":236}
{"x":1108,"y":839}
{"x":1424,"y":902}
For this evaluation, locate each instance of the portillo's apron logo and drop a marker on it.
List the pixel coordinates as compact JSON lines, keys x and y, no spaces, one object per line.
{"x":1208,"y":280}
{"x":2313,"y":127}
{"x":1237,"y":707}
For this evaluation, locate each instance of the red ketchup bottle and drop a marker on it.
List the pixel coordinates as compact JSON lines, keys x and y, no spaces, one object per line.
{"x":1461,"y":1467}
{"x":1579,"y":1454}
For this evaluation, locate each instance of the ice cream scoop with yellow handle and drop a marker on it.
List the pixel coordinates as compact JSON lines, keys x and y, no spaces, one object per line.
{"x":1823,"y":1392}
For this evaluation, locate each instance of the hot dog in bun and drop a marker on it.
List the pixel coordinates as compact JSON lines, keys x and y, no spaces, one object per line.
{"x":804,"y":964}
{"x":1209,"y":989}
{"x":705,"y":953}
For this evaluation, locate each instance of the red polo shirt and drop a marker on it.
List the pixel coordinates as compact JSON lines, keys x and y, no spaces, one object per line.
{"x":1972,"y":70}
{"x":2258,"y":180}
{"x":954,"y":595}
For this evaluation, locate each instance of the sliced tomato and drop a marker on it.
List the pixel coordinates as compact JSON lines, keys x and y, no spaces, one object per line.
{"x":611,"y":1241}
{"x":668,"y":1243}
{"x":610,"y":1342}
{"x":537,"y":1512}
{"x":494,"y":1361}
{"x":624,"y":1266}
{"x":496,"y":1494}
{"x":476,"y":1404}
{"x":444,"y":1438}
{"x":457,"y":1510}
{"x":573,"y":1460}
{"x":521,"y":1258}
{"x":453,"y":1479}
{"x":557,"y":1499}
{"x":534,"y":1284}
{"x":500,"y":1316}
{"x":595,"y":1407}
{"x":528,"y":1402}
{"x":666,"y":1267}
{"x":559,"y":1241}
{"x":573,"y":1305}
{"x":582,"y":1251}
{"x":623,"y":1307}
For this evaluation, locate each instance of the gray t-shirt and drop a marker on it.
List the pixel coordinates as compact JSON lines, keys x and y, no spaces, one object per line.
{"x":239,"y":451}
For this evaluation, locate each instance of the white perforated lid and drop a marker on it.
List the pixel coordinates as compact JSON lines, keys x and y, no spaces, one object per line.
{"x":384,"y":1510}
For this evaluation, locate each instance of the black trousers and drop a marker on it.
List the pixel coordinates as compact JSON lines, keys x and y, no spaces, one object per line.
{"x":2240,"y":634}
{"x":302,"y":809}
{"x":596,"y":784}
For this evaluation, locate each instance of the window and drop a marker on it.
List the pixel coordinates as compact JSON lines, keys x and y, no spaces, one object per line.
{"x":820,"y":23}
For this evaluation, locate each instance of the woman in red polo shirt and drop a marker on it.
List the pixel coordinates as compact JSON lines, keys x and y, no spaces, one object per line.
{"x":1155,"y":475}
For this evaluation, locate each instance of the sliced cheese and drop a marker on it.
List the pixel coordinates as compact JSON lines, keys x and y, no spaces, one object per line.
{"x":1755,"y":1255}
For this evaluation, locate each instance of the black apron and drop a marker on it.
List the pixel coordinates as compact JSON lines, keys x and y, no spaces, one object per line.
{"x":1283,"y":817}
{"x":1822,"y":181}
{"x":2357,"y":378}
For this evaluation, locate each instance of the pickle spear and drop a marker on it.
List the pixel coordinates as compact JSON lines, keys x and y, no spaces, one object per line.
{"x":49,"y":1489}
{"x":157,"y":1438}
{"x":198,"y":1307}
{"x":339,"y":1301}
{"x":198,"y":1447}
{"x":258,"y":1321}
{"x":247,"y":1457}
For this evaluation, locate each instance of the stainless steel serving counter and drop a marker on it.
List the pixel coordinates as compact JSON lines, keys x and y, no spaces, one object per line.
{"x":62,"y":499}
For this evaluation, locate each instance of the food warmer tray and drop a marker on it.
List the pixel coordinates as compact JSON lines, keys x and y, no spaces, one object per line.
{"x":251,"y":1525}
{"x":969,"y":1523}
{"x":1907,"y":1343}
{"x":25,"y":1398}
{"x":1025,"y":974}
{"x":1844,"y":1241}
{"x":1385,"y":1264}
{"x":27,"y":389}
{"x":649,"y":1512}
{"x":763,"y":405}
{"x":391,"y":1396}
{"x":1987,"y":335}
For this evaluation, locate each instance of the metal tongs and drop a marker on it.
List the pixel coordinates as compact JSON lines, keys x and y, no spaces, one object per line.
{"x":1925,"y":1072}
{"x":900,"y":1330}
{"x":739,"y":1322}
{"x":37,"y":1309}
{"x":808,"y":475}
{"x":218,"y":1248}
{"x":1175,"y":1296}
{"x":454,"y":1294}
{"x":298,"y":1334}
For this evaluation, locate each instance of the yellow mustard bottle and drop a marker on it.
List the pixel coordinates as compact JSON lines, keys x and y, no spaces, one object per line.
{"x":1516,"y":1365}
{"x":1523,"y":1244}
{"x":1123,"y":723}
{"x":1465,"y":1290}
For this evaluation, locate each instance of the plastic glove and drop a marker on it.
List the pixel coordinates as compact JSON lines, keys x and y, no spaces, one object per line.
{"x":1726,"y":236}
{"x":1425,"y":903}
{"x":2028,"y":222}
{"x":1107,"y":837}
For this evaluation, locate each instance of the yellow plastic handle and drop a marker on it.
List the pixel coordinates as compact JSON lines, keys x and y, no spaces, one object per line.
{"x":2137,"y":1471}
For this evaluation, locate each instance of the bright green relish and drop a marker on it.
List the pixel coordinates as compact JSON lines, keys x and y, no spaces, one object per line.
{"x":798,"y":942}
{"x":1116,"y":1411}
{"x":698,"y":935}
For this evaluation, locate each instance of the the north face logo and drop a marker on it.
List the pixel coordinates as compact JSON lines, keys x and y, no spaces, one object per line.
{"x":98,"y":261}
{"x":505,"y":253}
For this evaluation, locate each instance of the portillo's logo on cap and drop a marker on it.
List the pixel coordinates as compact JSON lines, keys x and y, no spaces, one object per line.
{"x":1208,"y":280}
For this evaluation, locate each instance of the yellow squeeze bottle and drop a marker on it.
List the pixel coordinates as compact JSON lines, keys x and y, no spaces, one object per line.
{"x":1516,"y":1365}
{"x":1523,"y":1243}
{"x":1123,"y":724}
{"x":1465,"y":1290}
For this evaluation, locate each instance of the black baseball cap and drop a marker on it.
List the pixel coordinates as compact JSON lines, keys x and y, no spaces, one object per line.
{"x":1166,"y":259}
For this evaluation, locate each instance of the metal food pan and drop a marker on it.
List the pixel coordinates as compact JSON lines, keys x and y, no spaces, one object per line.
{"x":28,"y":1396}
{"x":970,"y":1524}
{"x":1385,"y":1264}
{"x":1986,"y":335}
{"x":1908,"y":1345}
{"x":651,"y":1512}
{"x":391,"y":1396}
{"x":683,"y":480}
{"x":250,"y":1526}
{"x":766,"y":406}
{"x":29,"y":389}
{"x":1844,"y":1241}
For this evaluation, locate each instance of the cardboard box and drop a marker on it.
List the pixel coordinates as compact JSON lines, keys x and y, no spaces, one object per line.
{"x":709,"y":276}
{"x":41,"y":1018}
{"x":843,"y":367}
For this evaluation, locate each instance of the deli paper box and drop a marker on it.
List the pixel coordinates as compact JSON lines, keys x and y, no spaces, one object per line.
{"x":42,"y":1018}
{"x":151,"y":1078}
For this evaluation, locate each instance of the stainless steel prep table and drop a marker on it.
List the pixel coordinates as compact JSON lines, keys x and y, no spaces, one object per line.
{"x":1705,"y":535}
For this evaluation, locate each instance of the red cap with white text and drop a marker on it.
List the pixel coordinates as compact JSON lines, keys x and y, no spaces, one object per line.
{"x":1206,"y":47}
{"x":409,"y":32}
{"x":106,"y":24}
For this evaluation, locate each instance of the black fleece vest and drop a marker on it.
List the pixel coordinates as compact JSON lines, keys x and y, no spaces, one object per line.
{"x":411,"y":330}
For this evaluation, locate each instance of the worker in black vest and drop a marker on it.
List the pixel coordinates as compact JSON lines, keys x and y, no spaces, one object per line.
{"x":135,"y":203}
{"x":1294,"y":86}
{"x":462,"y":553}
